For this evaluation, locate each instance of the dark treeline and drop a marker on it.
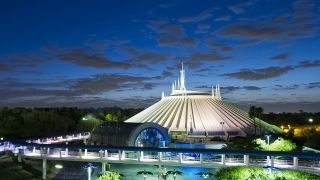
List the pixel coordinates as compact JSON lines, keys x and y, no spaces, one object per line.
{"x":300,"y":118}
{"x":30,"y":122}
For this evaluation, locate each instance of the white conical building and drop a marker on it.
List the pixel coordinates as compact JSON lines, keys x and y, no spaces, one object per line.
{"x":200,"y":114}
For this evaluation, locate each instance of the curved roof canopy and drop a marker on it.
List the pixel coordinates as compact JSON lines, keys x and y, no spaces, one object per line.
{"x":200,"y":114}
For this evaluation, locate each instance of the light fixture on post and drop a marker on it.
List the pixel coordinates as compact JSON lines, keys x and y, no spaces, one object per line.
{"x":59,"y":166}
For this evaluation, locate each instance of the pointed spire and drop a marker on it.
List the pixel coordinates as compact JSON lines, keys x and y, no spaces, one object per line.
{"x":162,"y":95}
{"x":212,"y":91}
{"x":182,"y":78}
{"x":179,"y":85}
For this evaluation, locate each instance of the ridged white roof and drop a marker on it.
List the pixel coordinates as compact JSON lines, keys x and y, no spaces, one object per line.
{"x":200,"y":114}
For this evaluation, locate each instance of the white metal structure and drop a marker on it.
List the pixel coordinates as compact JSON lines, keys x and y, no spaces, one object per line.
{"x":200,"y":114}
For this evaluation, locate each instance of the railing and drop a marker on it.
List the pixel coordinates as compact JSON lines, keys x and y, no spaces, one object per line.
{"x":41,"y":149}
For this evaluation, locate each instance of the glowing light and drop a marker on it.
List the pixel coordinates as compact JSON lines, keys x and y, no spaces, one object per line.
{"x":311,"y":120}
{"x":58,"y":166}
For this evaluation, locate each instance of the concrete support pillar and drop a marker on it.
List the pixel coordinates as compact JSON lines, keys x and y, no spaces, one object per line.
{"x":89,"y":172}
{"x":85,"y":152}
{"x":103,"y":166}
{"x":19,"y":158}
{"x":272,"y":161}
{"x":159,"y":156}
{"x":80,"y":153}
{"x":44,"y":168}
{"x":268,"y":160}
{"x":201,"y":158}
{"x":48,"y":151}
{"x":120,"y":154}
{"x":106,"y":154}
{"x":60,"y":153}
{"x":141,"y":155}
{"x":295,"y":162}
{"x":180,"y":157}
{"x":223,"y":159}
{"x":246,"y":160}
{"x":123,"y":154}
{"x":85,"y":141}
{"x":67,"y":151}
{"x":34,"y":150}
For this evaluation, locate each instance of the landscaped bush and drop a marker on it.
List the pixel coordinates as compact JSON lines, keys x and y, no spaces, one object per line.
{"x":259,"y":173}
{"x":278,"y":145}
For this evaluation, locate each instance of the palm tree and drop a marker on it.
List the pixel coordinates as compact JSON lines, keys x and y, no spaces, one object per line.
{"x":163,"y":173}
{"x":205,"y":175}
{"x":145,"y":174}
{"x":253,"y":115}
{"x":256,"y":112}
{"x":174,"y":173}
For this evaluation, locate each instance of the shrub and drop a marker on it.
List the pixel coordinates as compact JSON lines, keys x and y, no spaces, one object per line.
{"x":259,"y":173}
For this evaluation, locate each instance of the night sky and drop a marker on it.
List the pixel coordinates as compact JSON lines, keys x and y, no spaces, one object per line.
{"x":125,"y":53}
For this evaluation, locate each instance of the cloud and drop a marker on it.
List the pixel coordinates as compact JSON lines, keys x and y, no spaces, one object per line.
{"x":281,"y":57}
{"x":170,"y":34}
{"x":222,"y":47}
{"x":286,"y":87}
{"x":259,"y":74}
{"x":142,"y":55}
{"x":308,"y":64}
{"x":22,"y":61}
{"x":300,"y":22}
{"x":106,"y":43}
{"x":228,"y":89}
{"x":197,"y":18}
{"x":313,"y":85}
{"x":87,"y":58}
{"x":223,"y":18}
{"x":270,"y":72}
{"x":211,"y":56}
{"x":239,"y":8}
{"x":189,"y":41}
{"x":162,"y":26}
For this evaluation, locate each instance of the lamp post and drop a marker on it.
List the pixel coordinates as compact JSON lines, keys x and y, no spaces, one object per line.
{"x":89,"y":168}
{"x":268,"y":139}
{"x":222,"y":123}
{"x":59,"y":166}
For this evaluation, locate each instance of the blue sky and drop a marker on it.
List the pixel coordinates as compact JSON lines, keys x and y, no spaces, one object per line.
{"x":125,"y":53}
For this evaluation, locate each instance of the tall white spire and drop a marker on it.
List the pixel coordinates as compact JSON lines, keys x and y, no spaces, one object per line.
{"x":212,"y":92}
{"x":182,"y":78}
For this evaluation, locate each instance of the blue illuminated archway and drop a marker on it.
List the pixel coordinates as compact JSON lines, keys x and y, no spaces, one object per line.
{"x":149,"y":135}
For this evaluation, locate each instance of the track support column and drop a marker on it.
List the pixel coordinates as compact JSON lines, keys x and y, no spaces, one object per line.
{"x":44,"y":168}
{"x":295,"y":162}
{"x":201,"y":158}
{"x":272,"y":161}
{"x":180,"y":158}
{"x":159,"y":156}
{"x":223,"y":159}
{"x":246,"y":160}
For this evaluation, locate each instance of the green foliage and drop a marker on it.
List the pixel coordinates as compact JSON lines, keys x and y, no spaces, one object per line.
{"x":241,"y":143}
{"x":278,"y":145}
{"x":258,"y":173}
{"x":110,"y":176}
{"x":26,"y":122}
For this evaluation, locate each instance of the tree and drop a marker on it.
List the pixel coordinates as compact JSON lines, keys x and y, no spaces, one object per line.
{"x":174,"y":173}
{"x":163,"y":173}
{"x":205,"y":175}
{"x":256,"y":112}
{"x":111,"y":176}
{"x":145,"y":174}
{"x":111,"y":118}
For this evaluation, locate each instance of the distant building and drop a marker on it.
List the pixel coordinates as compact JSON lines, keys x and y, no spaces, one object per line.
{"x":200,"y":114}
{"x":184,"y":115}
